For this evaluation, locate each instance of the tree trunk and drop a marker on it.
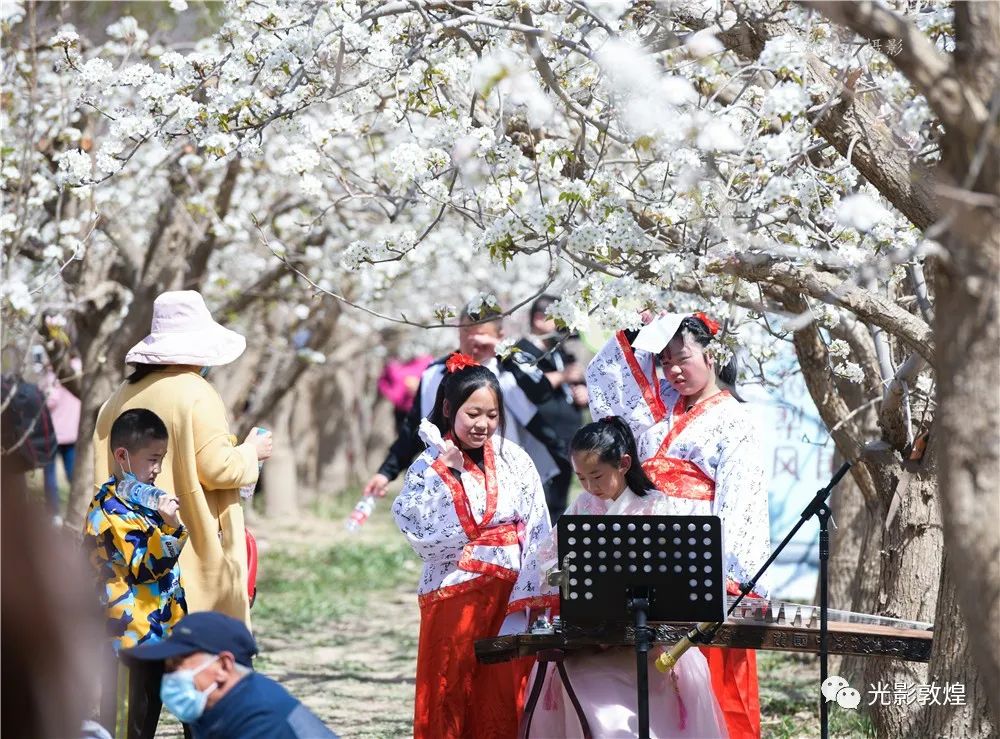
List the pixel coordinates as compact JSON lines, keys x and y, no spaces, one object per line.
{"x":952,"y":663}
{"x":348,"y":453}
{"x":864,"y":589}
{"x":968,"y":325}
{"x":100,"y":377}
{"x":304,"y":430}
{"x":853,"y":520}
{"x":967,"y":330}
{"x":96,"y":387}
{"x":848,"y":591}
{"x":280,"y":483}
{"x":911,"y":554}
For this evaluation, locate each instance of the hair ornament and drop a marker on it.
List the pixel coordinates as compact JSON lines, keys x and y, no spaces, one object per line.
{"x":459,"y":361}
{"x":712,"y":326}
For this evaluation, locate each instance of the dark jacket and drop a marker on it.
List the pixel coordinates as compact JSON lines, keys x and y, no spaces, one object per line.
{"x":258,"y":708}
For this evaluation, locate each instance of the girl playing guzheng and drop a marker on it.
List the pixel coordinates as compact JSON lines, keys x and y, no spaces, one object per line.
{"x":699,"y":446}
{"x":473,"y":508}
{"x":681,"y":702}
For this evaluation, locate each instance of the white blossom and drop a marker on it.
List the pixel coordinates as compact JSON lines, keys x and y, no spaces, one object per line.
{"x":785,"y":99}
{"x":482,"y":302}
{"x":703,"y":43}
{"x":12,"y":12}
{"x":96,"y":71}
{"x":127,"y":29}
{"x":609,"y":10}
{"x":17,"y":295}
{"x":850,"y":371}
{"x":839,"y":348}
{"x":444,"y":311}
{"x":784,"y":53}
{"x":67,"y":37}
{"x":512,"y":78}
{"x":717,"y":135}
{"x":861,"y":212}
{"x":74,"y":167}
{"x":641,"y":162}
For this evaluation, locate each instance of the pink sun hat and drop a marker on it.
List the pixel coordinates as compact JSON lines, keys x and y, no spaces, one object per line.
{"x":184,"y":332}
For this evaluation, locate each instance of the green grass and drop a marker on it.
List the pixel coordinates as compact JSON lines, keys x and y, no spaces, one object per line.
{"x":789,"y":689}
{"x":305,"y":589}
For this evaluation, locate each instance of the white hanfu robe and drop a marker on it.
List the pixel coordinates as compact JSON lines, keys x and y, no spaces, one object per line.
{"x":681,"y":702}
{"x":707,"y":461}
{"x":485,"y":523}
{"x":477,"y":532}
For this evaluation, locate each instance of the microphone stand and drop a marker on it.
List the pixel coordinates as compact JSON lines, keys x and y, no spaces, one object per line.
{"x":639,"y":603}
{"x":703,"y":633}
{"x":817,"y":507}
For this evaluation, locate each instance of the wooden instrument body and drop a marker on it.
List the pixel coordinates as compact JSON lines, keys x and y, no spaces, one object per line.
{"x":866,"y":640}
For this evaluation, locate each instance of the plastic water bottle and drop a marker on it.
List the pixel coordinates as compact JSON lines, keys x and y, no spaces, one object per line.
{"x":131,"y":489}
{"x":247,"y":491}
{"x":360,"y":513}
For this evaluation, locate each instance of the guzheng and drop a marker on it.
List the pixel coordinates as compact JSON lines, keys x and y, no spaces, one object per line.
{"x":756,"y":624}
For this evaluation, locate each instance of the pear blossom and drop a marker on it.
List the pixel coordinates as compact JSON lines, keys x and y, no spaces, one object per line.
{"x":861,"y":212}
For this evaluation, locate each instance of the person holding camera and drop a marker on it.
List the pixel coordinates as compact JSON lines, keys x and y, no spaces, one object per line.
{"x":562,"y":411}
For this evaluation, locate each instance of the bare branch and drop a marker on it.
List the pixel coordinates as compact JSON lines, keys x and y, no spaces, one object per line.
{"x":830,"y":289}
{"x":815,"y":360}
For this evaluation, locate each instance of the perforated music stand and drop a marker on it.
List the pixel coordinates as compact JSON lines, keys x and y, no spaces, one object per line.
{"x":635,"y":569}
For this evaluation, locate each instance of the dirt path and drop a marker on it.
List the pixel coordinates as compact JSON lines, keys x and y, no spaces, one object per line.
{"x":356,"y":674}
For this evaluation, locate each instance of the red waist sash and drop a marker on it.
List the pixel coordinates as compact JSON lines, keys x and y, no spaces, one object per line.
{"x":679,"y":478}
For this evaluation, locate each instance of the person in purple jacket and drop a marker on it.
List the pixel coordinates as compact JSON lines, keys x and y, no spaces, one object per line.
{"x":210,"y":685}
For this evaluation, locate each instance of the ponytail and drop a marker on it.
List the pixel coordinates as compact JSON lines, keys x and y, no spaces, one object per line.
{"x":611,"y":439}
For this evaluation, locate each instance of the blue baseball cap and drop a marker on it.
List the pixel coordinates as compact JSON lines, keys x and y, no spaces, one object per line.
{"x":205,"y":631}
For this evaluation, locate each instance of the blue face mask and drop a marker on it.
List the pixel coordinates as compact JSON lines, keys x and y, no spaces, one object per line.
{"x":181,"y":697}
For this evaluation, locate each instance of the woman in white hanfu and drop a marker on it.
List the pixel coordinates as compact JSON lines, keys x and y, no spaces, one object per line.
{"x":701,"y":449}
{"x":681,"y":702}
{"x":473,"y":508}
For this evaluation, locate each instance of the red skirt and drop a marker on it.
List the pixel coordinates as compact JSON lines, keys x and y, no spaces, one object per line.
{"x":734,"y":682}
{"x":458,"y":697}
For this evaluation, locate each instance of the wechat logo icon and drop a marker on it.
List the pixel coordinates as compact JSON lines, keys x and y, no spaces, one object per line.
{"x":836,"y":688}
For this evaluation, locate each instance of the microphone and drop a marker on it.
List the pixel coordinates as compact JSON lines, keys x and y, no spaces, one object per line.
{"x":701,"y":633}
{"x":839,"y":474}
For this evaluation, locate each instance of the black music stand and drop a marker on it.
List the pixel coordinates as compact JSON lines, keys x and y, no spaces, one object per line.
{"x":635,"y":569}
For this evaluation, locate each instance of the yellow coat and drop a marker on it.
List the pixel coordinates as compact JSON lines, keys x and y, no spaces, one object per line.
{"x":205,"y":469}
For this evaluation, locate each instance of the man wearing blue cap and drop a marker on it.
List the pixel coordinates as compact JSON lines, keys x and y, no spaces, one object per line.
{"x":209,"y":683}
